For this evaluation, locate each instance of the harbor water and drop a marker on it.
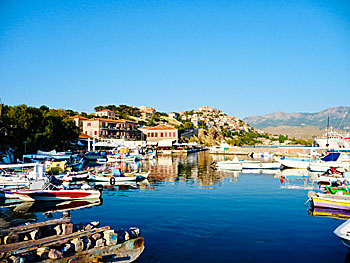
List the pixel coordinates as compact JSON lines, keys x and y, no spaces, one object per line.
{"x":189,"y":212}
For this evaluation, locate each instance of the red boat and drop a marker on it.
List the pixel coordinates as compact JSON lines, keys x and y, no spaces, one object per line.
{"x":56,"y":195}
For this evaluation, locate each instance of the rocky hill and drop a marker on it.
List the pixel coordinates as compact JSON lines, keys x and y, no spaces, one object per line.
{"x":339,"y":117}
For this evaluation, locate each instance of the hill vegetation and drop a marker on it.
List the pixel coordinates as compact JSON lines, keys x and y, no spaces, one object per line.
{"x":38,"y":128}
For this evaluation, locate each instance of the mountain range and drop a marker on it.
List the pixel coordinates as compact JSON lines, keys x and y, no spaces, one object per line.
{"x":339,"y":118}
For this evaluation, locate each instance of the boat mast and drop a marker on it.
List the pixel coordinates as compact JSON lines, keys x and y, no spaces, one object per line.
{"x":327,"y":131}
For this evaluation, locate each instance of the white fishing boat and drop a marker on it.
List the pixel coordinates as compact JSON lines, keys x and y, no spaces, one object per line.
{"x":333,"y":140}
{"x":73,"y":176}
{"x":343,"y":232}
{"x":294,"y":162}
{"x":330,"y":176}
{"x":16,"y":176}
{"x":332,"y":159}
{"x":324,"y":166}
{"x":234,"y":164}
{"x":113,"y":178}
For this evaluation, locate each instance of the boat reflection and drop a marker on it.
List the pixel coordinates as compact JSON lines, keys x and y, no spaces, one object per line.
{"x":56,"y":206}
{"x":328,"y":212}
{"x":297,"y":182}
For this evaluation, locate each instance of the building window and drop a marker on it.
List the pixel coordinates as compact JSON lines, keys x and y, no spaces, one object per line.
{"x":89,"y":124}
{"x":95,"y":132}
{"x":165,"y":134}
{"x":152,"y":134}
{"x":156,"y":134}
{"x":174,"y":134}
{"x":149,"y":134}
{"x":86,"y":132}
{"x":161,"y":134}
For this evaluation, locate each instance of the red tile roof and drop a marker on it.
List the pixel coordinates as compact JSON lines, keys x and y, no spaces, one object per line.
{"x":79,"y":117}
{"x":109,"y":120}
{"x":84,"y":136}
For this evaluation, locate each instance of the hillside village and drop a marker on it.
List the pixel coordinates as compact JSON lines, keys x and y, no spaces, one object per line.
{"x":205,"y":125}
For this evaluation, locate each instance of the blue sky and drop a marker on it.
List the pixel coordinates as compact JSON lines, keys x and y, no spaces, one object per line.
{"x":244,"y":57}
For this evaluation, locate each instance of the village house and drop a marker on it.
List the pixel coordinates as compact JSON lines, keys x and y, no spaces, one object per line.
{"x":208,"y":109}
{"x":106,"y":114}
{"x":115,"y":129}
{"x":161,"y":133}
{"x":173,"y":115}
{"x":78,"y":120}
{"x":146,"y":112}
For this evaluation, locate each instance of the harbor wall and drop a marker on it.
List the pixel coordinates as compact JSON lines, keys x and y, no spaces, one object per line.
{"x":278,"y":151}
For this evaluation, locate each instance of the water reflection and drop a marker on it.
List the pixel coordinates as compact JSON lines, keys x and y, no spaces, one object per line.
{"x":53,"y":206}
{"x":329,"y":212}
{"x":201,"y":207}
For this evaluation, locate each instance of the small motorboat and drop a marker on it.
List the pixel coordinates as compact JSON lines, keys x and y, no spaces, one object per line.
{"x":343,"y":232}
{"x":76,"y":164}
{"x":234,"y":164}
{"x":113,"y":178}
{"x":73,"y":176}
{"x":335,"y":201}
{"x":56,"y":195}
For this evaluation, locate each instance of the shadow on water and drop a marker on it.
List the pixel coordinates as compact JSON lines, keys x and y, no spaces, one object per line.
{"x":347,"y":258}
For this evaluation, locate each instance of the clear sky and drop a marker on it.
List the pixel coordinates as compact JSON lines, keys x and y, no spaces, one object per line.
{"x":244,"y":57}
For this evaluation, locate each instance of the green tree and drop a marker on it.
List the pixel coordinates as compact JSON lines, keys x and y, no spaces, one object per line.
{"x":41,"y":128}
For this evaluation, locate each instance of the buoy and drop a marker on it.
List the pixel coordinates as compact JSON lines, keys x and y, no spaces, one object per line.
{"x":112,"y":180}
{"x":282,"y":179}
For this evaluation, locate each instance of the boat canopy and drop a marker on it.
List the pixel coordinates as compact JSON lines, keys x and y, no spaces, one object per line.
{"x":331,"y":157}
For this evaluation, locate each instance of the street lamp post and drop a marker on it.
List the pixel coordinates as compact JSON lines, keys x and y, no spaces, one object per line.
{"x":25,"y":146}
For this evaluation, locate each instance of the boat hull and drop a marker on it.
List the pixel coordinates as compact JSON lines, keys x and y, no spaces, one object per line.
{"x":262,"y":165}
{"x":295,"y":164}
{"x":331,"y":201}
{"x":229,"y":166}
{"x":56,"y":195}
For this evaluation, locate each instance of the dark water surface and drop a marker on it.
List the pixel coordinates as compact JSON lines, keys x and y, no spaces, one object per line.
{"x":191,"y":213}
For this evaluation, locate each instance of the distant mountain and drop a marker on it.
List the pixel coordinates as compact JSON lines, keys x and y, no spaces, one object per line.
{"x":305,"y":132}
{"x":339,"y":117}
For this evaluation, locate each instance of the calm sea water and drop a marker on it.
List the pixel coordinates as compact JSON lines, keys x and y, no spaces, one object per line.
{"x":189,"y":212}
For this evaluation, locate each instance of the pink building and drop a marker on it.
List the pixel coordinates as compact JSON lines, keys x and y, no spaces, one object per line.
{"x":116,"y":129}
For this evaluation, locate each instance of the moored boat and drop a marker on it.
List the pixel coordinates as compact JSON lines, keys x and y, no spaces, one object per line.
{"x":343,"y":232}
{"x":336,"y":201}
{"x":56,"y":195}
{"x":73,"y":176}
{"x":19,"y":176}
{"x":295,"y":163}
{"x":113,"y":178}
